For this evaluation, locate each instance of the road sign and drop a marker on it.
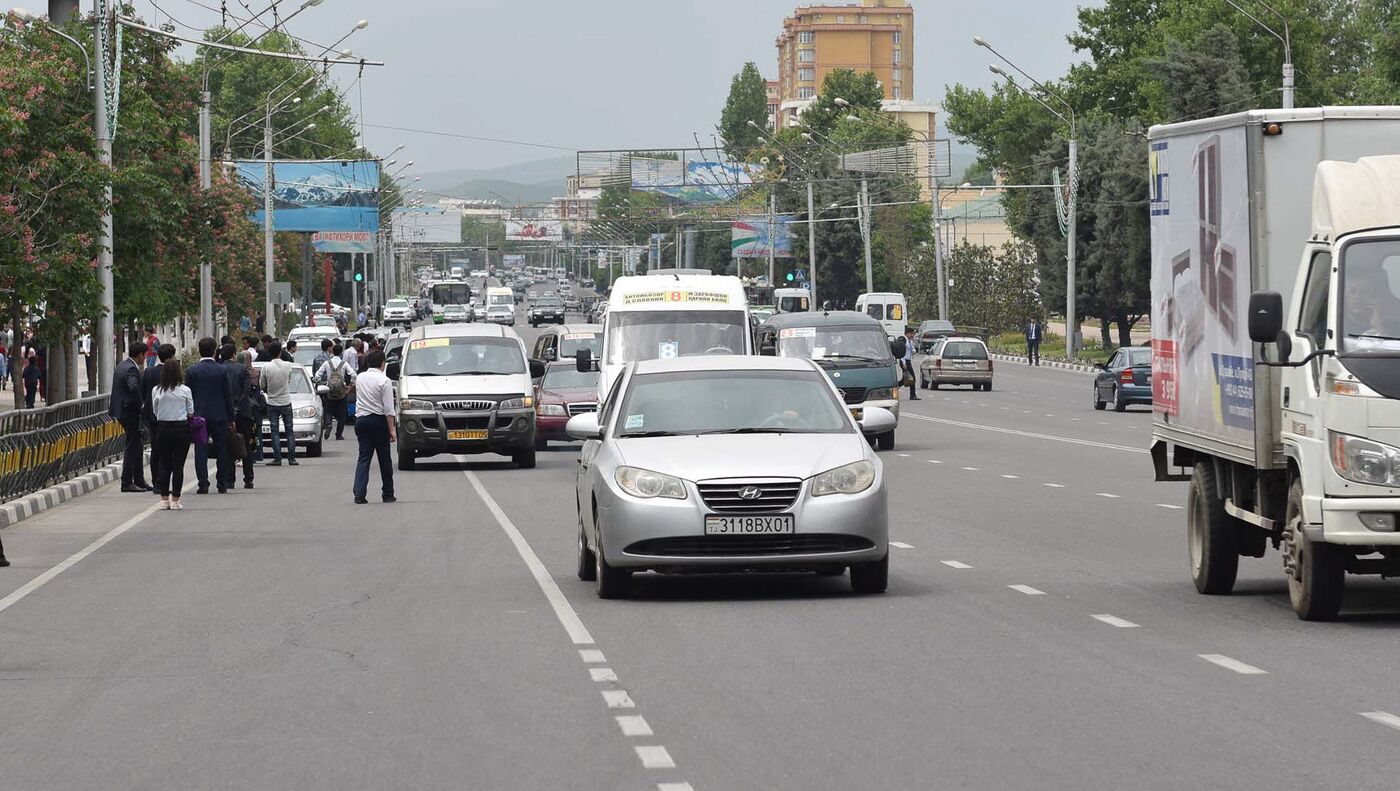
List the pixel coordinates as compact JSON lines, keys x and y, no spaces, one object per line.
{"x":281,"y":292}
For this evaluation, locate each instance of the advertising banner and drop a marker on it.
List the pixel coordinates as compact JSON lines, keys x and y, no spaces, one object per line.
{"x":513,"y":261}
{"x":427,"y":225}
{"x":535,"y":230}
{"x":341,"y":241}
{"x":751,"y":237}
{"x":1202,"y":359}
{"x":310,"y":196}
{"x":695,"y":181}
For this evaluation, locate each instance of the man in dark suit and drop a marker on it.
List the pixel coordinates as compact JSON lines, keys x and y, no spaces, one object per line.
{"x":238,"y":379}
{"x":213,"y":400}
{"x":125,"y":408}
{"x":150,"y":377}
{"x":1035,"y":333}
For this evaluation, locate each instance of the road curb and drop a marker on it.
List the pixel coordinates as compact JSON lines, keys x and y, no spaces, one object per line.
{"x":32,"y":505}
{"x":1076,"y":367}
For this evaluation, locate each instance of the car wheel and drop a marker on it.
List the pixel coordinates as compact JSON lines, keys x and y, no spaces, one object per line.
{"x":587,"y":564}
{"x":1211,"y":535}
{"x":1316,"y":571}
{"x":524,"y":459}
{"x":1098,"y":402}
{"x":406,"y":460}
{"x":923,"y":382}
{"x":314,"y":451}
{"x":934,"y":384}
{"x":871,"y":577}
{"x":1119,"y":403}
{"x":885,"y":441}
{"x":612,"y":583}
{"x":987,"y":387}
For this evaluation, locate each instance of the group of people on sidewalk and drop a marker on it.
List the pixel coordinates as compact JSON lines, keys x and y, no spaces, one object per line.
{"x":218,"y":406}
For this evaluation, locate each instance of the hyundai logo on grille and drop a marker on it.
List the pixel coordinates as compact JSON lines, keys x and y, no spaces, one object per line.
{"x":750,"y":493}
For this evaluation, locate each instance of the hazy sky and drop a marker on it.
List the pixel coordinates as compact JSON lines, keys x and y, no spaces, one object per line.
{"x":600,"y":73}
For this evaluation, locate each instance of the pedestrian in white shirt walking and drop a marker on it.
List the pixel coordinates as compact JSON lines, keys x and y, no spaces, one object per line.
{"x":338,"y":377}
{"x":374,"y":427}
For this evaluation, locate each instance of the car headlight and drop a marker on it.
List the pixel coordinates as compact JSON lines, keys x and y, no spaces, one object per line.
{"x":415,"y":405}
{"x":306,"y":411}
{"x":881,"y":394}
{"x":554,"y":410}
{"x":1365,"y":461}
{"x":850,"y":479}
{"x":518,"y":403}
{"x":647,"y":484}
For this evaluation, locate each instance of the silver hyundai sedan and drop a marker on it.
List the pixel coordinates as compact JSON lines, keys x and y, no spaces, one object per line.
{"x":729,"y":463}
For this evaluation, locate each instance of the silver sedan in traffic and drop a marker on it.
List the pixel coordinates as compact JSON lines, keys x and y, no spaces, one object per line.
{"x":729,"y":463}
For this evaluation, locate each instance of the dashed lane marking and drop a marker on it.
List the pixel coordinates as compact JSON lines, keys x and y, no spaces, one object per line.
{"x":1384,"y":718}
{"x":934,"y":461}
{"x":602,"y":674}
{"x":655,"y":757}
{"x":1233,"y":664}
{"x":1012,"y":477}
{"x":633,"y":725}
{"x":1169,"y":506}
{"x":591,"y":655}
{"x":972,"y":469}
{"x":1026,"y":589}
{"x":618,"y":699}
{"x":1106,"y":494}
{"x":956,"y":564}
{"x":1053,"y":485}
{"x":901,"y":545}
{"x":1113,"y":620}
{"x":904,"y":455}
{"x":673,"y":787}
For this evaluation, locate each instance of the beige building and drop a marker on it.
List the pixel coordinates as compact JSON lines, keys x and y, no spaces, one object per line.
{"x":873,"y":35}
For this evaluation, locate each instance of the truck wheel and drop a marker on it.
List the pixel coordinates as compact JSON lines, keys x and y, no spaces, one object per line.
{"x":406,"y":460}
{"x":1211,"y":535}
{"x":1119,"y":404}
{"x":1316,"y":571}
{"x":885,"y":441}
{"x":1098,"y":402}
{"x":524,"y":459}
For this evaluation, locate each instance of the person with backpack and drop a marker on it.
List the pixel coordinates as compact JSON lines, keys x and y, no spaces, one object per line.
{"x":337,"y":376}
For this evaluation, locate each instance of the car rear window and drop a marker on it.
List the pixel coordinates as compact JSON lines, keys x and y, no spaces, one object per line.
{"x":1140,"y":357}
{"x":966,"y":350}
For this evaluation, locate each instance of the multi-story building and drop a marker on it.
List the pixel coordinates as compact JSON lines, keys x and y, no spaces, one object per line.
{"x":873,"y":35}
{"x":775,"y":98}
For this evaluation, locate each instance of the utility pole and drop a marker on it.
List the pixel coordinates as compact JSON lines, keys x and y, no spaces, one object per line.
{"x":105,"y":339}
{"x":938,"y":243}
{"x":865,"y":233}
{"x":772,"y":236}
{"x":1071,"y":313}
{"x":270,"y":323}
{"x":811,"y":246}
{"x":206,"y":277}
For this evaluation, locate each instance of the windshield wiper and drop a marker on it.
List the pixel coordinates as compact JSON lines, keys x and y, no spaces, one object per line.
{"x":752,"y":430}
{"x":840,"y":356}
{"x":640,"y":434}
{"x":1373,"y":337}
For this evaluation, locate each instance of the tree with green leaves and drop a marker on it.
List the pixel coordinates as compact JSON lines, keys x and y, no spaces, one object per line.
{"x":745,"y":109}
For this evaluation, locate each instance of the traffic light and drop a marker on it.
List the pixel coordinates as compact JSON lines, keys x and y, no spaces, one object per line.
{"x":791,"y":276}
{"x":359,"y":277}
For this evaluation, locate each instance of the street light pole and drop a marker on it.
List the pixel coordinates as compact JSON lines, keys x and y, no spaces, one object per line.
{"x":106,"y":321}
{"x":206,"y":277}
{"x":811,"y":247}
{"x":865,"y":233}
{"x":269,"y":323}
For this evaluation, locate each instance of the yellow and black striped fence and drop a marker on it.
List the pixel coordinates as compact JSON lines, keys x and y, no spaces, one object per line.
{"x":43,"y":447}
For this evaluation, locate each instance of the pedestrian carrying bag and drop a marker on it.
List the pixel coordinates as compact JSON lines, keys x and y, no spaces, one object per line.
{"x":336,"y":380}
{"x":199,"y":431}
{"x":237,"y":446}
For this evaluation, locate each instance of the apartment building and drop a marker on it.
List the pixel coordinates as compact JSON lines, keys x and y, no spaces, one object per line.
{"x":873,"y":35}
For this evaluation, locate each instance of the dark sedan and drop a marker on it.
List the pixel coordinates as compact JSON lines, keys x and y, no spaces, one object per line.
{"x":1125,"y":379}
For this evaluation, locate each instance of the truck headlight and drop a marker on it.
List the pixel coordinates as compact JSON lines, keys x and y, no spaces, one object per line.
{"x":881,"y":394}
{"x":1365,"y":461}
{"x":551,"y":410}
{"x":518,"y":403}
{"x":850,"y":479}
{"x":415,"y":405}
{"x":647,"y":484}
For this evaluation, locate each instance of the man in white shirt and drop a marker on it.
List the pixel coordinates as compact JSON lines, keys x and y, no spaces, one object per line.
{"x":338,"y":376}
{"x":374,"y":427}
{"x":276,"y":381}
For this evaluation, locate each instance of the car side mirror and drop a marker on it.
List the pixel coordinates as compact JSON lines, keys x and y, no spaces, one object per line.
{"x":322,"y":390}
{"x":550,"y":355}
{"x":391,"y":370}
{"x":583,"y":360}
{"x":877,"y":420}
{"x":536,"y":369}
{"x":584,"y":426}
{"x":1265,"y":316}
{"x":767,"y":347}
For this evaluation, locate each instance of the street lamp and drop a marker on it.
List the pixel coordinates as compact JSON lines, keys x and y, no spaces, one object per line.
{"x":1286,"y":39}
{"x":1071,"y":232}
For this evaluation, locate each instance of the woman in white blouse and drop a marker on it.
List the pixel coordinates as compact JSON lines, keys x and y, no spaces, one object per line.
{"x":173,"y":405}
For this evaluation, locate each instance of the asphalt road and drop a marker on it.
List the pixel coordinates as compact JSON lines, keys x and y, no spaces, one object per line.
{"x":1040,"y":632}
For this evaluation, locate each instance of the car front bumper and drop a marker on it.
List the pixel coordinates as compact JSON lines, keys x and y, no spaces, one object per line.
{"x":859,"y":520}
{"x":424,"y":433}
{"x":306,"y":430}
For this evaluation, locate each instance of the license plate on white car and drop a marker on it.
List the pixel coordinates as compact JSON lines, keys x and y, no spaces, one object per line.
{"x":748,"y":525}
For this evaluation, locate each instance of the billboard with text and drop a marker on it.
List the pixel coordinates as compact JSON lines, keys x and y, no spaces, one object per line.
{"x":753,"y":237}
{"x":535,"y":230}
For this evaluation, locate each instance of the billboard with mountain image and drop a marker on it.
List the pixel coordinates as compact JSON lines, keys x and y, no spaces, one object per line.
{"x":310,"y":196}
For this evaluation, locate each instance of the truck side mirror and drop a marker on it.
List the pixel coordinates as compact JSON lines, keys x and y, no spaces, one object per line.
{"x":392,"y":371}
{"x":1265,"y":316}
{"x":583,"y":360}
{"x":537,"y":368}
{"x":767,"y":345}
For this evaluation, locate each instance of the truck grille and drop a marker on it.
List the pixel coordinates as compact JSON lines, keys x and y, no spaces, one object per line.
{"x":467,"y":406}
{"x":773,"y":496}
{"x":748,"y":546}
{"x":853,"y":395}
{"x":582,"y":408}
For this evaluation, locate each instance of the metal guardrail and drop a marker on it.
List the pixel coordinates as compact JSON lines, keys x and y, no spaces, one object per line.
{"x":42,"y":447}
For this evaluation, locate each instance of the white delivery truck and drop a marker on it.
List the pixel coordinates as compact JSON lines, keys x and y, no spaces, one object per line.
{"x":1276,"y":342}
{"x":669,"y":313}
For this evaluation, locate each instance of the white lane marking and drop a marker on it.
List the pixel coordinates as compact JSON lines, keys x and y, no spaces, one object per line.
{"x":1029,"y":434}
{"x":972,"y":469}
{"x":934,"y":461}
{"x":592,"y":655}
{"x":904,"y":455}
{"x":602,"y":674}
{"x":1012,"y":477}
{"x":957,"y":564}
{"x":1074,"y":420}
{"x":1026,"y":589}
{"x":1384,"y":718}
{"x":1113,"y":620}
{"x":1169,"y":506}
{"x":1025,"y":411}
{"x":1232,"y":664}
{"x":901,"y":545}
{"x":633,"y":725}
{"x":1053,"y":485}
{"x":1049,"y":415}
{"x":674,"y":787}
{"x":655,"y":757}
{"x":562,"y":609}
{"x":1006,"y":409}
{"x":38,"y":582}
{"x":1106,"y":494}
{"x":618,"y":699}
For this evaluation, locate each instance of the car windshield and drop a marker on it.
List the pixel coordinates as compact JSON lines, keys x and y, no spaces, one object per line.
{"x":502,"y":299}
{"x":571,"y":342}
{"x":662,"y":334}
{"x":305,"y":356}
{"x":470,"y":356}
{"x":567,"y":377}
{"x":794,"y":304}
{"x":396,"y":303}
{"x":725,"y":402}
{"x":455,"y":309}
{"x":1370,"y":308}
{"x":549,"y":302}
{"x":835,"y":343}
{"x":965,"y":350}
